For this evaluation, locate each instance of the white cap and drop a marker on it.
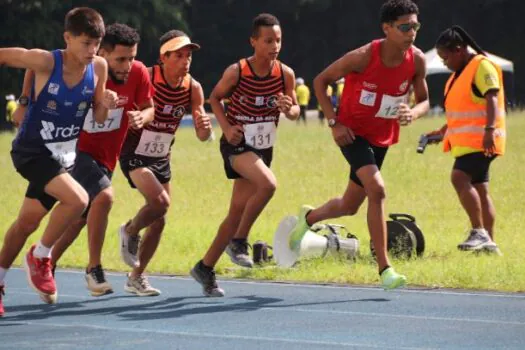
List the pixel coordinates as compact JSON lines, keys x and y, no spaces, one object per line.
{"x":299,"y":81}
{"x":10,"y":97}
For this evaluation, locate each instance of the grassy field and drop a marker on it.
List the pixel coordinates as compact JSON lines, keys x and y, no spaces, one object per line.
{"x":310,"y":170}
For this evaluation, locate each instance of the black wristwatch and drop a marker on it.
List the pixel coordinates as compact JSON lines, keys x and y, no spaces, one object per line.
{"x":23,"y":101}
{"x":332,"y":122}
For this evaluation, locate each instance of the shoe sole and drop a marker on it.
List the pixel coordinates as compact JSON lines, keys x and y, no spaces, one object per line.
{"x":140,"y":294}
{"x":487,"y":245}
{"x":401,"y":284}
{"x":46,"y":298}
{"x":101,"y":293}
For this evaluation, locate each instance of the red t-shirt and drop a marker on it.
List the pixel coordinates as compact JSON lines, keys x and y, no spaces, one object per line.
{"x":370,"y":99}
{"x":104,"y":141}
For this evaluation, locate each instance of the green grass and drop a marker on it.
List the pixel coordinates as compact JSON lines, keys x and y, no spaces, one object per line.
{"x":310,"y":170}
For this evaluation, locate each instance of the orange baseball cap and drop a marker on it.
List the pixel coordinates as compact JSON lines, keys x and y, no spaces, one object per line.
{"x":177,"y":43}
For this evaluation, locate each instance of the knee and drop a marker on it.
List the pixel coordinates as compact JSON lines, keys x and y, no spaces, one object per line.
{"x":376,"y":192}
{"x":160,"y":204}
{"x":268,"y":187}
{"x":105,"y":199}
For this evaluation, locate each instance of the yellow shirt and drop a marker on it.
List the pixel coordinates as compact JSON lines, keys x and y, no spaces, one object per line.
{"x":329,"y":92}
{"x":10,"y":109}
{"x":303,"y":95}
{"x":486,"y":79}
{"x":340,"y":88}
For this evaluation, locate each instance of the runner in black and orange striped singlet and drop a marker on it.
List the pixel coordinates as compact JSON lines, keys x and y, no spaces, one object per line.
{"x":145,"y":158}
{"x":260,"y":88}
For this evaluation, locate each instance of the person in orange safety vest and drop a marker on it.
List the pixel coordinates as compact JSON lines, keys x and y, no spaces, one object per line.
{"x":475,"y":130}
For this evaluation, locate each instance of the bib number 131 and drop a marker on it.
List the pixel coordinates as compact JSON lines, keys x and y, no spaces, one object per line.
{"x":260,"y":135}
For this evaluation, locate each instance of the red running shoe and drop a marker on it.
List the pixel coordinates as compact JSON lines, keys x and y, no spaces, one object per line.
{"x":40,"y":276}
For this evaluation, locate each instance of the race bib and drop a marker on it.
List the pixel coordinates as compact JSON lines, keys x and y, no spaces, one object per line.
{"x":260,"y":135}
{"x":63,"y":152}
{"x":390,"y":106}
{"x":112,"y":123}
{"x":154,"y":144}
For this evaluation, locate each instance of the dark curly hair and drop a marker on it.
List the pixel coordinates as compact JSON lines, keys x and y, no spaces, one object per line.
{"x":119,"y":34}
{"x":393,"y":9}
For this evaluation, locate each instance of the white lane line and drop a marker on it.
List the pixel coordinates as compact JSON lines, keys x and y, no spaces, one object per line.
{"x":288,"y":309}
{"x":286,"y":284}
{"x":221,"y":335}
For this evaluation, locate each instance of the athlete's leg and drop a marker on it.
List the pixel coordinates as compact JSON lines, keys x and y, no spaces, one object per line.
{"x":243,"y":190}
{"x":29,"y":217}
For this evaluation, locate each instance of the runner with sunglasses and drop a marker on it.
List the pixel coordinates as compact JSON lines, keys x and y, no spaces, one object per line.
{"x":378,"y":77}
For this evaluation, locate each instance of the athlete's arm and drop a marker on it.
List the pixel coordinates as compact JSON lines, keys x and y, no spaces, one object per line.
{"x":420,"y":91}
{"x":200,"y":119}
{"x":103,"y":99}
{"x":142,"y":115}
{"x":233,"y":133}
{"x":40,"y":61}
{"x":353,"y":61}
{"x":144,"y":111}
{"x":19,"y":114}
{"x":288,"y":101}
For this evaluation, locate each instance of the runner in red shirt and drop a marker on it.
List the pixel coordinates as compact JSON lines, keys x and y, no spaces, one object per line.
{"x":378,"y":77}
{"x":99,"y":146}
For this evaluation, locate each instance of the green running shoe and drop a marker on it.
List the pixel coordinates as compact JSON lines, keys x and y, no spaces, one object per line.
{"x":300,"y":228}
{"x":391,"y":279}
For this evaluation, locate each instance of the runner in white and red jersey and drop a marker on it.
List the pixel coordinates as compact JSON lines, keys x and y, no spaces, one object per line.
{"x":99,"y":146}
{"x":145,"y":158}
{"x":378,"y":77}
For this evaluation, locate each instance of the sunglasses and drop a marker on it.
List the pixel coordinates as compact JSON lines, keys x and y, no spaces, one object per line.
{"x":406,"y":27}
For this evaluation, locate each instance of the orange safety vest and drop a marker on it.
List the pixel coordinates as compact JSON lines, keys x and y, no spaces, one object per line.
{"x":466,"y":119}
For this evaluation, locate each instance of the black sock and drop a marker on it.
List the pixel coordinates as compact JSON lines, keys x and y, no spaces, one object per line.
{"x":204,"y":266}
{"x":383,"y":269}
{"x":239,"y":240}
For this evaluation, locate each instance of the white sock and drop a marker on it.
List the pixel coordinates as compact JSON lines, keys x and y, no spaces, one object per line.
{"x":41,"y":251}
{"x":3,"y":272}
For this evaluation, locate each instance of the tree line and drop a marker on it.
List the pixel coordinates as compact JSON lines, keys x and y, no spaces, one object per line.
{"x":315,"y":32}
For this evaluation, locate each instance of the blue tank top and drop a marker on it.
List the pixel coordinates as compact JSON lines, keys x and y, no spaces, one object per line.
{"x":53,"y":122}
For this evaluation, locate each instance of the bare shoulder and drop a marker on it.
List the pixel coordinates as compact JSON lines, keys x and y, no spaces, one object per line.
{"x":287,"y":70}
{"x":418,"y":54}
{"x":360,"y":57}
{"x":43,"y":59}
{"x":419,"y":60}
{"x":195,"y":84}
{"x":231,"y":74}
{"x":101,"y":66}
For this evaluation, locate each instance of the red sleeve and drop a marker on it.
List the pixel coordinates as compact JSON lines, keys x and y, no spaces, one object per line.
{"x":145,"y":89}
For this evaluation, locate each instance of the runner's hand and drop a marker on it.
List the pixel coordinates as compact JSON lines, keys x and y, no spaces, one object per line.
{"x":405,"y":114}
{"x":136,"y":119}
{"x":110,"y":99}
{"x":202,"y":121}
{"x":342,"y":135}
{"x":489,"y":143}
{"x":284,"y":102}
{"x":234,"y":134}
